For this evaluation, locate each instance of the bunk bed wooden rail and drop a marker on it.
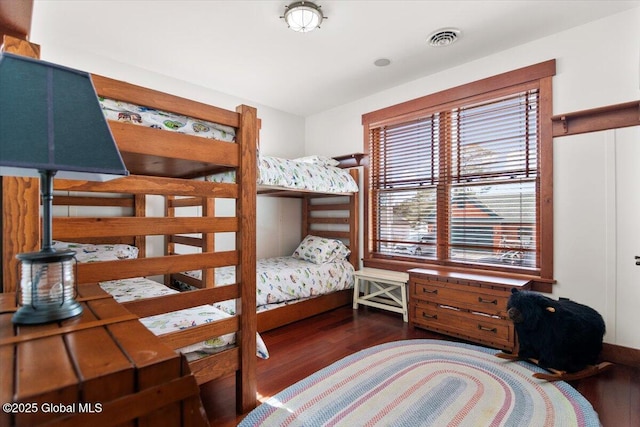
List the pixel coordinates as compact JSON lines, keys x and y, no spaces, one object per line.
{"x":333,"y":216}
{"x":343,"y":227}
{"x":165,"y":164}
{"x":100,"y":230}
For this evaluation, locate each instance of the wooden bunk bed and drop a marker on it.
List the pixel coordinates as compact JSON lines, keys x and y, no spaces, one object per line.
{"x":167,"y":164}
{"x":325,"y":215}
{"x":340,"y":222}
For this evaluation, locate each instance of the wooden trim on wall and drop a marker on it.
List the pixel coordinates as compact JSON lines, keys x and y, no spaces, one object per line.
{"x":510,"y":78}
{"x":597,"y":119}
{"x":621,"y":355}
{"x":20,"y":228}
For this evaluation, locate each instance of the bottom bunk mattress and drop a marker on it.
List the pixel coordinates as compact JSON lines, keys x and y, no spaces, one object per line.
{"x":287,"y":280}
{"x":139,"y":288}
{"x":124,"y":290}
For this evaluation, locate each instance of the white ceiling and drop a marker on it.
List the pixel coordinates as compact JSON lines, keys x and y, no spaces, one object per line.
{"x":243,"y":48}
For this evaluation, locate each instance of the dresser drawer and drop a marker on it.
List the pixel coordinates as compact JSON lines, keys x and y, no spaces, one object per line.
{"x":474,"y":326}
{"x":484,"y":300}
{"x":472,"y":306}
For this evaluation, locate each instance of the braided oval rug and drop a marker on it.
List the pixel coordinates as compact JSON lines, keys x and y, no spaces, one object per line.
{"x":425,"y":383}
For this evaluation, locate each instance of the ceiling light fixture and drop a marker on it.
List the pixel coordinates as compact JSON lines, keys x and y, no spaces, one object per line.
{"x":382,"y":62}
{"x":443,"y":37}
{"x":303,"y":16}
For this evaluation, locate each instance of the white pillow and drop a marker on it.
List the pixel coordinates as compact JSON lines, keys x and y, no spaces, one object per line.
{"x":320,"y":250}
{"x":86,"y":252}
{"x":318,"y":160}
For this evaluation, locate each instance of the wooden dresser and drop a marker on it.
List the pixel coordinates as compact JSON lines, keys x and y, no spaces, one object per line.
{"x":100,"y":368}
{"x":469,"y":306}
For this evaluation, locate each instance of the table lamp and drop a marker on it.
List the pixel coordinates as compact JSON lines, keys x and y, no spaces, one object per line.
{"x":51,"y":124}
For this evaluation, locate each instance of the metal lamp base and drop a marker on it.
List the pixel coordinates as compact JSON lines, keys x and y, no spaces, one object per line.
{"x":47,"y":288}
{"x":27,"y":315}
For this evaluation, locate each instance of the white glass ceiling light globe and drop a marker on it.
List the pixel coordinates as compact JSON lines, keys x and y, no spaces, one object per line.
{"x":303,"y":16}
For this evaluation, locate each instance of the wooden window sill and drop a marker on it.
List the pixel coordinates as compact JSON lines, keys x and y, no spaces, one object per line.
{"x":538,"y":283}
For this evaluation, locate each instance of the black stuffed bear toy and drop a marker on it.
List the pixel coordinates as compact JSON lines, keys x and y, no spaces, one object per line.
{"x":561,"y":335}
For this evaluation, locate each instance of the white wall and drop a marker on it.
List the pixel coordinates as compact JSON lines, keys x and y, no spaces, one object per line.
{"x":282,"y":134}
{"x":597,"y":64}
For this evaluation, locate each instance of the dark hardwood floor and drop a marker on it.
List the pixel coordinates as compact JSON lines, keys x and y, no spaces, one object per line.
{"x":304,"y":347}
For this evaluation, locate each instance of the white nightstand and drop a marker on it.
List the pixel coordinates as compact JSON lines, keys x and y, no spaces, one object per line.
{"x":377,"y":288}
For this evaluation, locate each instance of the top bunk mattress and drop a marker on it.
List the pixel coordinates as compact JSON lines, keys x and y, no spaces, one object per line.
{"x":149,"y":117}
{"x":309,"y":174}
{"x":276,"y":174}
{"x":304,"y":175}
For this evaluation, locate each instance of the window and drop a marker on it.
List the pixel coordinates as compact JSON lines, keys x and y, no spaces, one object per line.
{"x":464,"y":182}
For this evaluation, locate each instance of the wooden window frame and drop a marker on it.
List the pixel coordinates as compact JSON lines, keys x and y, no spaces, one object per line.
{"x":541,"y":74}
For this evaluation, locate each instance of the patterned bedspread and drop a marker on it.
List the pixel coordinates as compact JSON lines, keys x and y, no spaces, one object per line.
{"x":149,"y":117}
{"x":294,"y":175}
{"x":286,"y":280}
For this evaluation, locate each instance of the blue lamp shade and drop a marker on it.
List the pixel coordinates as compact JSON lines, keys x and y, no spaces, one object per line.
{"x":50,"y":120}
{"x":51,"y":124}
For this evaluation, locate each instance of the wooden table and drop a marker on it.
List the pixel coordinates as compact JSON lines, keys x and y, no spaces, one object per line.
{"x":100,"y":368}
{"x":375,"y":287}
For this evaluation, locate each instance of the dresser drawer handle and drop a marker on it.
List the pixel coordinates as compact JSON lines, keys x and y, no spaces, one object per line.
{"x":429,"y":291}
{"x":484,"y":328}
{"x":429,"y":316}
{"x":488,"y":301}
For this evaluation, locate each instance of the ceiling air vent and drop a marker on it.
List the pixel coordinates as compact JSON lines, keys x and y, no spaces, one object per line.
{"x":444,"y":37}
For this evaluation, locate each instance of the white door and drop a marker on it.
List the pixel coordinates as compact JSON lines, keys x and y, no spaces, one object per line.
{"x":627,"y":142}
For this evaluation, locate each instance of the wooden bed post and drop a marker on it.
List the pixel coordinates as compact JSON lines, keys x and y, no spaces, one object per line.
{"x":169,"y":246}
{"x":306,"y":201}
{"x":140,"y":211}
{"x":246,"y":377}
{"x":20,"y":227}
{"x":208,"y":241}
{"x":354,"y":212}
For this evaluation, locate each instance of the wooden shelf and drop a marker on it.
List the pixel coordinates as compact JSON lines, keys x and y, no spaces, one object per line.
{"x":597,"y":119}
{"x":349,"y":160}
